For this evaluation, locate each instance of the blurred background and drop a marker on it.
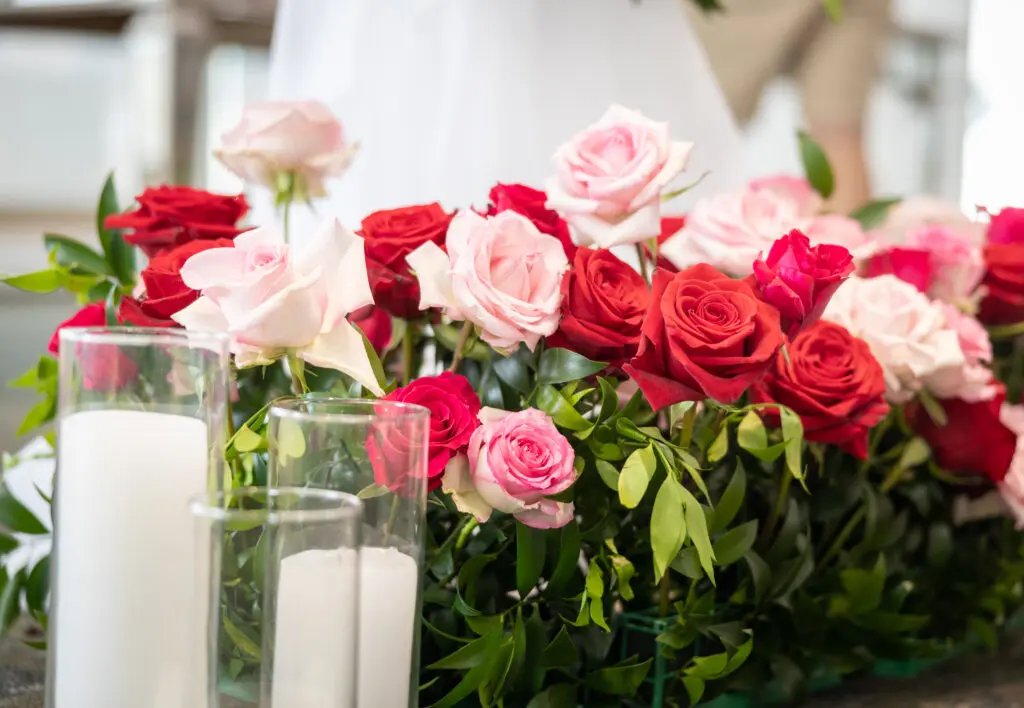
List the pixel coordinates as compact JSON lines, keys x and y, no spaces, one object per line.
{"x":145,"y":88}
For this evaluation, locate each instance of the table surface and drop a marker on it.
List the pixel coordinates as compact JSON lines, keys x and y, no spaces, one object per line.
{"x":978,"y":682}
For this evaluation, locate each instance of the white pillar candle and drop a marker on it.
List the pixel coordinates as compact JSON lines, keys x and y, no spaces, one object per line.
{"x":389,"y":583}
{"x":315,"y":630}
{"x":125,"y":634}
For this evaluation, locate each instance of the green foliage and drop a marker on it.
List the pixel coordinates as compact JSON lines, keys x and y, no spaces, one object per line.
{"x":816,"y":166}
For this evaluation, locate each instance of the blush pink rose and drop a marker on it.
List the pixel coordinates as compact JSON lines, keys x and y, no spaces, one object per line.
{"x":500,"y":273}
{"x":973,"y":381}
{"x":609,"y":177}
{"x":795,"y":190}
{"x":279,"y":137}
{"x":275,"y":302}
{"x":515,"y":461}
{"x":956,"y":258}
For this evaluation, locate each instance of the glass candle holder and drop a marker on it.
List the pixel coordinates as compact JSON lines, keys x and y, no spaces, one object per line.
{"x":280,"y":598}
{"x":141,"y":429}
{"x":376,"y":450}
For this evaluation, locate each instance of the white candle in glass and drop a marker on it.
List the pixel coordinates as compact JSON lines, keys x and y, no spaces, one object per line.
{"x":389,"y":582}
{"x":315,"y":630}
{"x":125,"y":633}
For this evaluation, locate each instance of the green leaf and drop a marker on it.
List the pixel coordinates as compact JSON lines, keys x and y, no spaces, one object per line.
{"x":42,"y":281}
{"x":697,"y":526}
{"x":561,"y":695}
{"x":816,"y":166}
{"x":740,"y":656}
{"x":609,"y":475}
{"x":568,"y":559}
{"x":550,"y":400}
{"x":623,"y":679}
{"x":16,"y":517}
{"x":834,"y":8}
{"x":694,"y":688}
{"x":873,"y":214}
{"x":246,"y":440}
{"x":688,"y":563}
{"x":933,"y":408}
{"x":120,"y":255}
{"x":636,"y":475}
{"x":448,"y":337}
{"x":468,"y":655}
{"x":734,"y":543}
{"x":985,"y":631}
{"x":37,"y":588}
{"x":595,"y":580}
{"x":375,"y":363}
{"x":561,"y":652}
{"x":7,"y":544}
{"x":472,"y":679}
{"x":10,"y":595}
{"x":668,"y":526}
{"x":708,"y":667}
{"x":760,"y":574}
{"x":720,"y":447}
{"x":624,"y":572}
{"x":39,"y":414}
{"x":530,"y":549}
{"x":731,"y":500}
{"x":751,"y":434}
{"x":863,"y":588}
{"x":940,"y":545}
{"x":609,"y":399}
{"x":793,"y":435}
{"x":242,"y":641}
{"x":514,"y":372}
{"x":561,"y":365}
{"x":915,"y":452}
{"x":69,"y":253}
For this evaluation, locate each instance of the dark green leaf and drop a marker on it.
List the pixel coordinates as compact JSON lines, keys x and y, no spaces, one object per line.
{"x":568,"y":559}
{"x":694,"y":688}
{"x":873,"y":214}
{"x":448,"y":337}
{"x":609,"y":399}
{"x":514,"y":372}
{"x":864,"y":587}
{"x":530,"y":549}
{"x":731,"y":500}
{"x":42,"y":281}
{"x":561,"y":695}
{"x":636,"y":475}
{"x":10,"y":595}
{"x":39,"y":414}
{"x":985,"y":631}
{"x":561,"y":652}
{"x":816,"y":166}
{"x":734,"y":543}
{"x":620,"y":680}
{"x":241,"y":640}
{"x":470,"y":681}
{"x":120,"y":255}
{"x":668,"y":526}
{"x":760,"y":574}
{"x":940,"y":545}
{"x":550,"y":400}
{"x":562,"y":365}
{"x":69,"y":253}
{"x":785,"y":542}
{"x":37,"y":589}
{"x":16,"y":517}
{"x":609,"y":474}
{"x":7,"y":543}
{"x":468,"y":655}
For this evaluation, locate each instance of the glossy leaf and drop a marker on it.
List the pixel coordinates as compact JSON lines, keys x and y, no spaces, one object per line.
{"x":561,"y":652}
{"x":530,"y":550}
{"x":42,"y":281}
{"x":513,"y":372}
{"x":873,"y":214}
{"x":609,"y":474}
{"x":697,"y":527}
{"x":816,"y":166}
{"x":734,"y":543}
{"x":69,"y":253}
{"x":120,"y":255}
{"x":561,"y":695}
{"x":568,"y":559}
{"x":751,"y":434}
{"x":550,"y":400}
{"x":623,"y":679}
{"x":731,"y":500}
{"x":562,"y":365}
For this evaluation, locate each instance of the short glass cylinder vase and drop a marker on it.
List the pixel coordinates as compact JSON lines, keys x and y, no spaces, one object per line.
{"x":376,"y":450}
{"x":280,"y":599}
{"x":141,"y":429}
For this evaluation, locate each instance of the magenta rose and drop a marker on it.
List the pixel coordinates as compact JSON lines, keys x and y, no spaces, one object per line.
{"x":1007,"y":227}
{"x":516,"y":461}
{"x":799,"y":279}
{"x":453,"y":407}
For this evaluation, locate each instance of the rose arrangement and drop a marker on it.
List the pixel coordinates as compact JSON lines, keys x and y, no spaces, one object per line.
{"x":613,"y":451}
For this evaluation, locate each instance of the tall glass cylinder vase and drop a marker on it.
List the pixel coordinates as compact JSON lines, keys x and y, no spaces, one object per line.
{"x":378,"y":451}
{"x":280,"y":597}
{"x":141,"y":429}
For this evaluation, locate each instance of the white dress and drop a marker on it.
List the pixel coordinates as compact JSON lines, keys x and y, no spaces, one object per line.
{"x":448,"y":97}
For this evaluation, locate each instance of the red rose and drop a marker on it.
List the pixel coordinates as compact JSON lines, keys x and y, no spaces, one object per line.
{"x":1007,"y":227}
{"x":705,"y":336}
{"x":1004,"y":284}
{"x":375,"y":324}
{"x":603,"y":306}
{"x":170,"y":216}
{"x":799,"y":280}
{"x":911,"y":265}
{"x":453,"y":406}
{"x":104,"y":367}
{"x":832,"y":381}
{"x":166,"y":293}
{"x":390,"y":236}
{"x":973,"y":441}
{"x":532,"y":203}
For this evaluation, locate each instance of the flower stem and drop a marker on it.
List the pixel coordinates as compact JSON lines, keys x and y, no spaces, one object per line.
{"x":285,"y":218}
{"x":465,"y":533}
{"x":408,"y":350}
{"x":460,"y":345}
{"x":642,"y":257}
{"x":664,"y":596}
{"x":780,"y":502}
{"x":848,"y":529}
{"x":295,"y":367}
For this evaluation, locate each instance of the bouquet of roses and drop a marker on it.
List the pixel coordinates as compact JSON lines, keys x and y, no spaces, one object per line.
{"x":621,"y":402}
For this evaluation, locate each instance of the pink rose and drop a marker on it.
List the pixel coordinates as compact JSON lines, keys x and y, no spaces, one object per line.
{"x":839,"y":230}
{"x":728,"y":231}
{"x":1006,"y":227}
{"x":500,"y":273}
{"x":275,"y":302}
{"x":926,"y":211}
{"x":973,"y":381}
{"x":280,"y":137}
{"x":795,"y":190}
{"x":1011,"y":488}
{"x":609,"y":177}
{"x":956,"y":260}
{"x":516,"y":460}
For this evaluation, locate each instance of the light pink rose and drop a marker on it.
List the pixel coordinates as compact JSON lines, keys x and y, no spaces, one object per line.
{"x":842,"y":231}
{"x":609,"y":177}
{"x":956,"y":259}
{"x":927,"y":211}
{"x":973,"y":381}
{"x":279,"y":137}
{"x":1012,"y":487}
{"x":500,"y":273}
{"x":274,"y":302}
{"x":729,"y":230}
{"x":515,"y":461}
{"x":795,"y":190}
